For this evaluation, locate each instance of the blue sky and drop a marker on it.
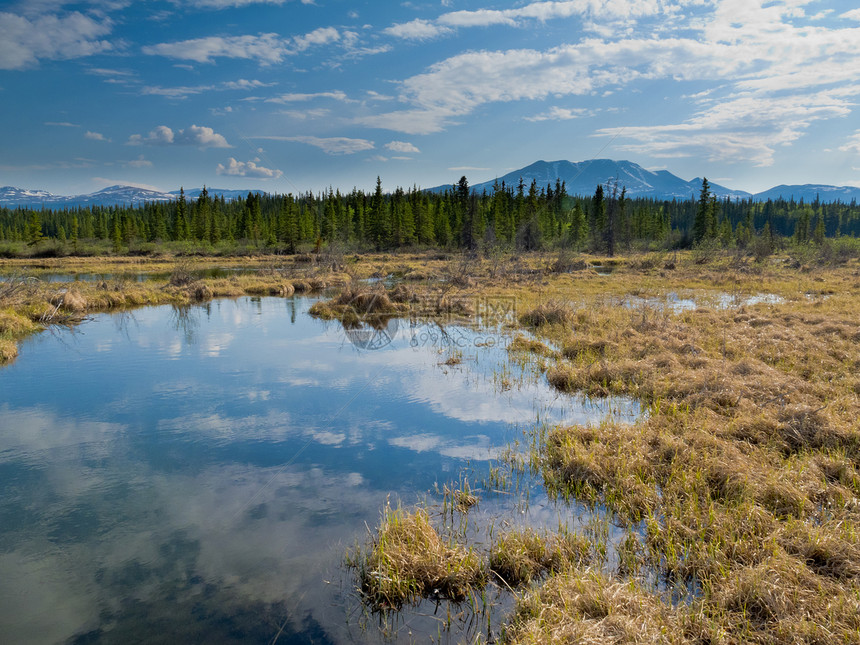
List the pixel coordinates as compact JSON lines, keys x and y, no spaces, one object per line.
{"x":295,"y":95}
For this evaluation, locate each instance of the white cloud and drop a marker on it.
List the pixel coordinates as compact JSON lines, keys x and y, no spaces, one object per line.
{"x":160,"y":136}
{"x":417,"y":30}
{"x":183,"y":92}
{"x":296,"y":97}
{"x":101,"y":71}
{"x":854,"y":14}
{"x":746,"y":127}
{"x":556,"y":113}
{"x":247,"y":169}
{"x":175,"y":92}
{"x":95,"y":136}
{"x":24,"y":41}
{"x":201,"y":136}
{"x":479,"y":18}
{"x":852,"y":144}
{"x":104,"y":182}
{"x":402,"y":146}
{"x":267,"y":49}
{"x":225,"y":4}
{"x":304,"y":115}
{"x":329,"y":145}
{"x":140,"y":162}
{"x":62,"y":124}
{"x":409,"y":121}
{"x":464,"y":168}
{"x":612,"y":10}
{"x":244,"y":84}
{"x":770,"y":76}
{"x":321,"y":36}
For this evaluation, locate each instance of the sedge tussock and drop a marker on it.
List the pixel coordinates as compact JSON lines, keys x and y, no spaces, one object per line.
{"x":409,"y":560}
{"x":580,"y":606}
{"x":8,"y":350}
{"x":520,"y":556}
{"x":549,"y":313}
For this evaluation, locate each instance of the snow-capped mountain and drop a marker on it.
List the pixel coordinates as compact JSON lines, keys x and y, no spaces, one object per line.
{"x":582,"y":178}
{"x":810,"y":192}
{"x":13,"y":197}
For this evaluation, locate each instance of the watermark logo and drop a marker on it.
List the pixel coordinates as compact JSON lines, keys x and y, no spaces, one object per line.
{"x":430,"y":322}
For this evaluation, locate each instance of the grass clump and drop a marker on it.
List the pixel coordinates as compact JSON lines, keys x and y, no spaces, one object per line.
{"x":409,"y":560}
{"x":580,"y":606}
{"x":356,"y":305}
{"x":549,"y":313}
{"x":529,"y":345}
{"x":518,"y":557}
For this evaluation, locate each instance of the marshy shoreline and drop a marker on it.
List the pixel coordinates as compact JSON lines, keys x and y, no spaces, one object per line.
{"x":738,"y":492}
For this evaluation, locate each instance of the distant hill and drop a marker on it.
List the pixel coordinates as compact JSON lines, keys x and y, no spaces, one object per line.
{"x":13,"y":197}
{"x":810,"y":192}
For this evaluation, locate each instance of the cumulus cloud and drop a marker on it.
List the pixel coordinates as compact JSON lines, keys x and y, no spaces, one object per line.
{"x":95,"y":136}
{"x":237,"y":168}
{"x":321,"y":36}
{"x":24,"y":41}
{"x":402,"y":146}
{"x":329,"y":145}
{"x":201,"y":136}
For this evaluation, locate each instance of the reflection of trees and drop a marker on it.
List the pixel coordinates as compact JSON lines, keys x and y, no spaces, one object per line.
{"x":185,"y":319}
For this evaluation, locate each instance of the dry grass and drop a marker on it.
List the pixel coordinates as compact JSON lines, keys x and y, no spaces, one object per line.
{"x":581,"y":606}
{"x":548,"y":313}
{"x":26,"y":305}
{"x":521,"y":556}
{"x":8,"y":351}
{"x":522,"y":344}
{"x":359,"y":304}
{"x":744,"y":474}
{"x":409,"y":560}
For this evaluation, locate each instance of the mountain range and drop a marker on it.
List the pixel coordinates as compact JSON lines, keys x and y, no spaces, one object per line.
{"x":580,"y":178}
{"x":112,"y":196}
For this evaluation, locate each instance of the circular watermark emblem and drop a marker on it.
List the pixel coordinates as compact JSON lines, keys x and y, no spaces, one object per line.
{"x":366,"y":326}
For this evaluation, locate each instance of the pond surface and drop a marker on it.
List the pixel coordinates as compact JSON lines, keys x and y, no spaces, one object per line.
{"x":196,"y":475}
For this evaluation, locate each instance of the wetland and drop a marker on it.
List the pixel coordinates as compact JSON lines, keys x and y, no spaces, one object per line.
{"x":411,"y":447}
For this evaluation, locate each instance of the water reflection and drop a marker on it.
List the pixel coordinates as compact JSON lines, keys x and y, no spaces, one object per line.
{"x":196,"y":474}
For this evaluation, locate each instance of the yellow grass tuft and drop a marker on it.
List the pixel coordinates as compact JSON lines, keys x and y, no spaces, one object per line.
{"x":409,"y":560}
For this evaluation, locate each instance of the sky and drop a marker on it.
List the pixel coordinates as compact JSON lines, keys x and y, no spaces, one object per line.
{"x":298,"y":95}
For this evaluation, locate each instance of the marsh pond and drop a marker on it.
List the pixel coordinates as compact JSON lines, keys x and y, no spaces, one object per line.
{"x":197,"y":474}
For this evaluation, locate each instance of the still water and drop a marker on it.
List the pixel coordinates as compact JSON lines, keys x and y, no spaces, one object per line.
{"x":196,"y":475}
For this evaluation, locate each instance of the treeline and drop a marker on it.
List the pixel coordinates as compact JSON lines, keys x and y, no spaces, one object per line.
{"x":517,"y":217}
